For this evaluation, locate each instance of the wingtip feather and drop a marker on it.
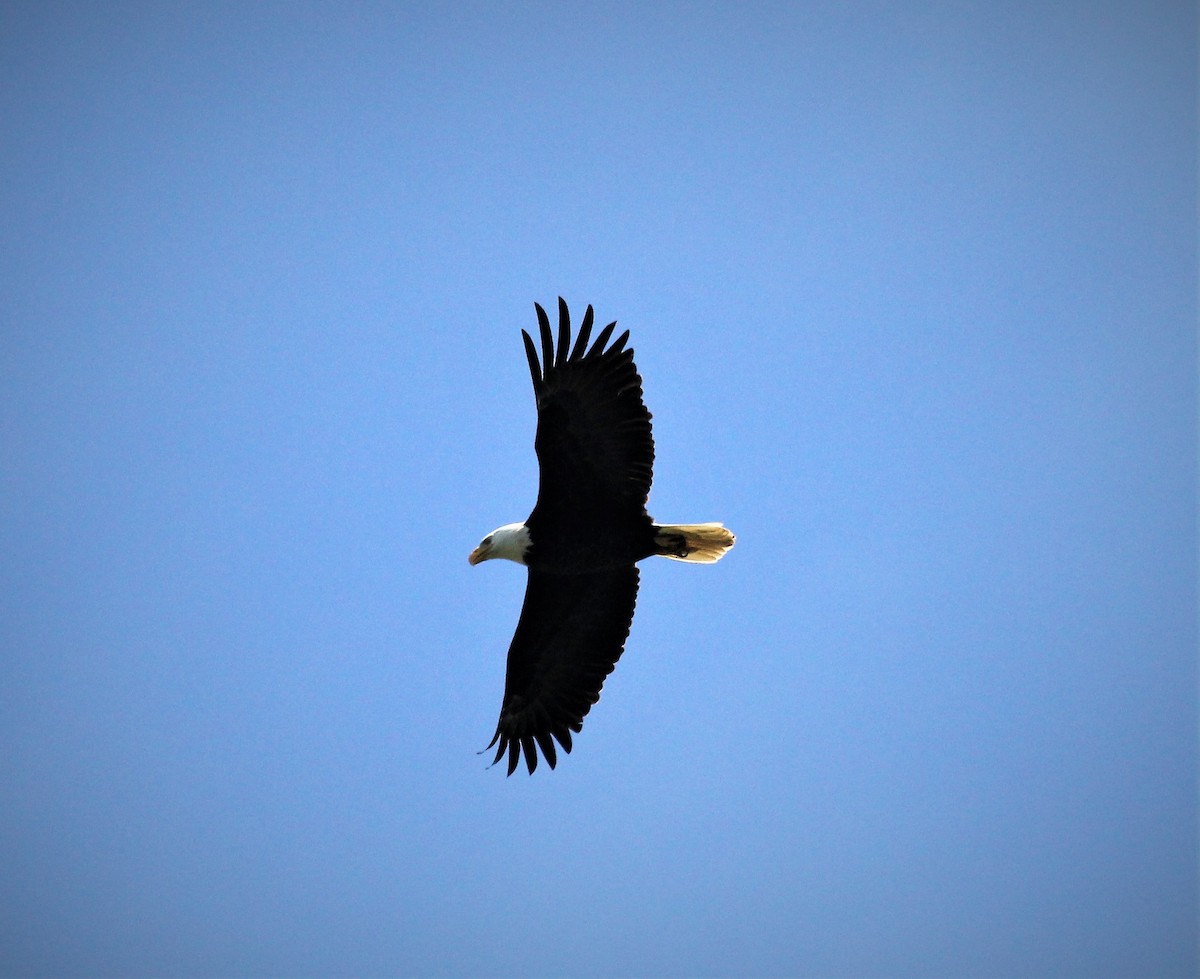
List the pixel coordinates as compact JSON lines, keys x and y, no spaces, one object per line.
{"x":535,"y":369}
{"x":602,"y":339}
{"x":564,"y":333}
{"x":547,"y":339}
{"x":585,"y":332}
{"x":546,"y":743}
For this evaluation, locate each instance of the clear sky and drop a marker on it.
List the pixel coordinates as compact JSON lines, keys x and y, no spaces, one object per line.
{"x":913,"y":290}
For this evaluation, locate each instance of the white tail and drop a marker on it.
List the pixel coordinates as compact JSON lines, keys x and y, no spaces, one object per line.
{"x":696,"y":543}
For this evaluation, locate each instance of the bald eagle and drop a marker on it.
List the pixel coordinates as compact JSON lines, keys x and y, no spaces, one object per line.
{"x":583,"y":539}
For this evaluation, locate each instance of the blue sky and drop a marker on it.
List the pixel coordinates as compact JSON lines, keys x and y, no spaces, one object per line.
{"x":913,"y":290}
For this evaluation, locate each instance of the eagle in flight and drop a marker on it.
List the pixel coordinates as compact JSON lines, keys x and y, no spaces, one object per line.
{"x":582,"y":542}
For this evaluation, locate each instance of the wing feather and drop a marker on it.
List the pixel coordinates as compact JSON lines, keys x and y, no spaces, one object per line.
{"x":564,"y":333}
{"x":547,"y":340}
{"x":546,"y":743}
{"x":601,"y":340}
{"x":594,"y":439}
{"x":535,"y":369}
{"x":585,"y":331}
{"x":570,"y":635}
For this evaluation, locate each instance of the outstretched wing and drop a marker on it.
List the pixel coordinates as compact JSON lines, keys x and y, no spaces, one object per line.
{"x":570,"y":635}
{"x":593,"y":435}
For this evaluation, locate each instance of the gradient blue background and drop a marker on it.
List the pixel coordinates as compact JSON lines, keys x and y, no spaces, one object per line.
{"x":913,"y":290}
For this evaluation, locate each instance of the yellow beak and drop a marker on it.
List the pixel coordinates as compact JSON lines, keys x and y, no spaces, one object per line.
{"x":477,"y":555}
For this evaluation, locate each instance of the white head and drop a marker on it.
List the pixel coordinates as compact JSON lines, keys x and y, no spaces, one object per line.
{"x":510,"y":541}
